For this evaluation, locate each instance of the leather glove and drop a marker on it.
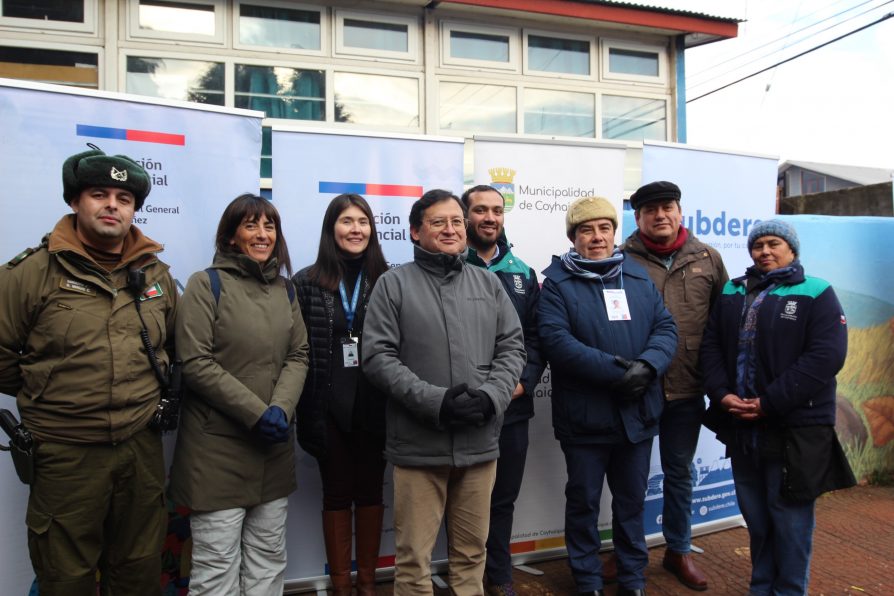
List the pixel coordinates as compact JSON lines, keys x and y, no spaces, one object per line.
{"x":485,"y":404}
{"x":636,"y":380}
{"x":273,"y":426}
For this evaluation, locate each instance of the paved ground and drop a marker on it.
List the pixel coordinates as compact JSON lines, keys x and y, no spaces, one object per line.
{"x":853,"y":554}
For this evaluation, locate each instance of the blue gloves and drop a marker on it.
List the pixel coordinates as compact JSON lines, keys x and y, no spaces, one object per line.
{"x":273,"y":426}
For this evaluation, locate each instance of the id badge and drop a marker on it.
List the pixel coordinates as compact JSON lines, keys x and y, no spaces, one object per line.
{"x":350,"y":353}
{"x":616,"y":305}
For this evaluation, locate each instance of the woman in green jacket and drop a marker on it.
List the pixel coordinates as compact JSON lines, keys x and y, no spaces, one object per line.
{"x":242,"y":340}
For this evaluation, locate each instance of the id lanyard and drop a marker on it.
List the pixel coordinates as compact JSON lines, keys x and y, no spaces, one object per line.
{"x":350,"y":310}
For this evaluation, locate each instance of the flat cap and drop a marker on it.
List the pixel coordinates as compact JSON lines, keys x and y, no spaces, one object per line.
{"x":660,"y":190}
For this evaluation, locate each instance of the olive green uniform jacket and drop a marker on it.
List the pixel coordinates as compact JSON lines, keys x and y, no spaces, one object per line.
{"x":70,"y":347}
{"x":690,"y":287}
{"x":240,"y":354}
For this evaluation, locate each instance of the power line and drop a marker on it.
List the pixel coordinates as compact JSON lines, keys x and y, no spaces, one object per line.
{"x":832,"y":26}
{"x":781,"y":62}
{"x":785,"y":37}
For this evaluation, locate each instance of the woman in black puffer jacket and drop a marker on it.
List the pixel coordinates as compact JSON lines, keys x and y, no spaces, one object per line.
{"x":341,"y":416}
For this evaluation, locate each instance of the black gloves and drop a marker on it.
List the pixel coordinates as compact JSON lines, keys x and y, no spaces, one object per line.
{"x":465,"y":407}
{"x":273,"y":426}
{"x":636,"y":380}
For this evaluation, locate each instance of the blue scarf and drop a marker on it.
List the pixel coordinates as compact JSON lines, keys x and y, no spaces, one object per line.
{"x":601,"y":270}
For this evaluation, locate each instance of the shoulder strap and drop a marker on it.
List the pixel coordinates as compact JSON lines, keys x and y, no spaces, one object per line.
{"x":214,"y":278}
{"x":290,"y":288}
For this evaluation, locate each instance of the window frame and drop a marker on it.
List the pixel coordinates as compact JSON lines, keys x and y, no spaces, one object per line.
{"x":517,"y":88}
{"x":90,"y":25}
{"x":64,"y":47}
{"x":528,"y":71}
{"x":600,"y":112}
{"x":514,"y":64}
{"x":324,"y":27}
{"x":595,"y":93}
{"x":414,"y":35}
{"x":135,"y":33}
{"x":228,"y":62}
{"x":332,"y":70}
{"x":606,"y":45}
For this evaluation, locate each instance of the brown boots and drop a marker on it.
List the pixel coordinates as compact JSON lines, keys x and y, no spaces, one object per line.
{"x":337,"y":535}
{"x":368,"y":526}
{"x":684,"y":568}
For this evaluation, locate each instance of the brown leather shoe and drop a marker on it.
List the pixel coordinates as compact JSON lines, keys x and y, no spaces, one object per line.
{"x":684,"y":568}
{"x":610,"y":569}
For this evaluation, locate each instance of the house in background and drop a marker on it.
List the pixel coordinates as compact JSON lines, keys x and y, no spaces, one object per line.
{"x":594,"y":69}
{"x":805,"y":177}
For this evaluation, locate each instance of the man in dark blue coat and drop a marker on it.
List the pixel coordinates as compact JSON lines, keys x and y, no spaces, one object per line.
{"x":488,"y":248}
{"x":608,"y":338}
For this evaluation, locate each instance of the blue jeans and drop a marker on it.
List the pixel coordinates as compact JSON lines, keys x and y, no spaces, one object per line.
{"x":510,"y":470}
{"x":680,"y":424}
{"x":627,"y":467}
{"x":781,"y":531}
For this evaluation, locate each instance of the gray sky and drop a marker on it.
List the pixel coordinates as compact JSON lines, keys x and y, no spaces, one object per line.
{"x":834,"y":105}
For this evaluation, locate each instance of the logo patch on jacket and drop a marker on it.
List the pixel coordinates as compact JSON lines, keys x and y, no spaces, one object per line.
{"x":154,"y":291}
{"x":519,"y":284}
{"x":73,"y":285}
{"x":790,"y":311}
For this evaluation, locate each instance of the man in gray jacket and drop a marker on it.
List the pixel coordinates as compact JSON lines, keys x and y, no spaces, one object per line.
{"x":442,"y":339}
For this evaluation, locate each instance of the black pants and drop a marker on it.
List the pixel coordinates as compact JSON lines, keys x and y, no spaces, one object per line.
{"x":354,"y":468}
{"x":510,"y":471}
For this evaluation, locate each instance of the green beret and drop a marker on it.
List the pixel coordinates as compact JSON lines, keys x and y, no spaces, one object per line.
{"x":95,"y":168}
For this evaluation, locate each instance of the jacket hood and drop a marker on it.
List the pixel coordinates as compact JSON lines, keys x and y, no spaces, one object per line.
{"x":243,"y":265}
{"x":64,"y":238}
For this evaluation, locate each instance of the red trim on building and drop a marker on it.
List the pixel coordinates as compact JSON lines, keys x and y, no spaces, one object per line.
{"x":613,"y":14}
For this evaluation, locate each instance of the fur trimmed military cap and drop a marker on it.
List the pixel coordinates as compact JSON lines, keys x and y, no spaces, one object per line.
{"x":95,"y":168}
{"x":660,"y":190}
{"x":588,"y":208}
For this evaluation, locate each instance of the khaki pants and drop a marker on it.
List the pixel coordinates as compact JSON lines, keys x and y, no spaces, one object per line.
{"x":421,"y":498}
{"x":98,"y":507}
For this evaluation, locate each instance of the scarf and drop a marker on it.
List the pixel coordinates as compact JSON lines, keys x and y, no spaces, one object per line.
{"x":746,"y":359}
{"x":601,"y":270}
{"x":660,"y":249}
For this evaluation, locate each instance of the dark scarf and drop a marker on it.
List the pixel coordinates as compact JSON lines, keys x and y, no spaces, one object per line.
{"x":662,"y":250}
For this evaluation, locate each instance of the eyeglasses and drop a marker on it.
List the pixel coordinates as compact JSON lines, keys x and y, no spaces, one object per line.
{"x":439,"y":223}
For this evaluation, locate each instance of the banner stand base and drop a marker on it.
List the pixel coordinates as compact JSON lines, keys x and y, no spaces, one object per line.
{"x":528,"y":570}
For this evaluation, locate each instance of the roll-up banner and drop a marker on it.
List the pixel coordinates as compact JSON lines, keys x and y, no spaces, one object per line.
{"x":199,"y":158}
{"x":310,"y":168}
{"x":539,"y":180}
{"x":723,"y":195}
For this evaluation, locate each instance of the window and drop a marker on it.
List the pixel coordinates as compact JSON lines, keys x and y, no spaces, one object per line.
{"x":634,"y":118}
{"x":376,"y":100}
{"x":79,"y":69}
{"x":373,"y":36}
{"x":560,"y":113}
{"x":170,"y":78}
{"x":477,"y":108}
{"x":281,"y":92}
{"x":559,"y":55}
{"x":812,"y":182}
{"x":185,"y":20}
{"x":633,"y":62}
{"x":483,"y":47}
{"x":63,"y":15}
{"x":280,"y":25}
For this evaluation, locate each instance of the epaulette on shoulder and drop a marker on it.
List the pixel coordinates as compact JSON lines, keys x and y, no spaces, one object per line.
{"x":16,"y":260}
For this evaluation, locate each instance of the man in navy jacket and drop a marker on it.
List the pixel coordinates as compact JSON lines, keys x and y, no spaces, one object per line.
{"x":606,"y":400}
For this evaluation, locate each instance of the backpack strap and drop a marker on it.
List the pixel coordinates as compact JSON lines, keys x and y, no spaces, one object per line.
{"x":214,"y":278}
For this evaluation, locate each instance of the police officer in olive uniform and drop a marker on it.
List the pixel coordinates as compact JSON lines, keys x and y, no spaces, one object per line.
{"x":71,"y":353}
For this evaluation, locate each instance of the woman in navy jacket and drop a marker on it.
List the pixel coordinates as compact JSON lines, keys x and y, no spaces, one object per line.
{"x":769,"y":356}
